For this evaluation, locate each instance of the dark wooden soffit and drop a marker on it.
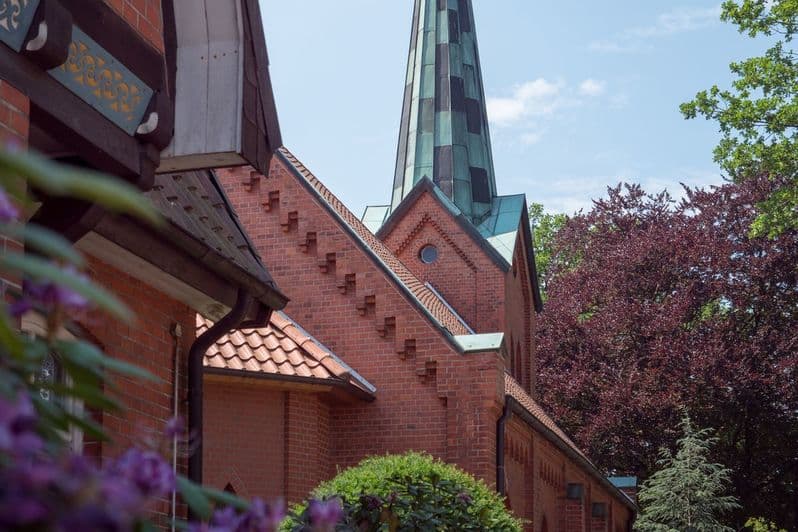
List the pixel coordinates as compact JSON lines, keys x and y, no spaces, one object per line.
{"x":202,"y":218}
{"x":83,"y":130}
{"x":267,"y":122}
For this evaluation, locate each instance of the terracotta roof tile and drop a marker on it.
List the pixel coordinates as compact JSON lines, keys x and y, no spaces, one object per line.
{"x":281,"y":348}
{"x":433,"y":303}
{"x":514,"y":390}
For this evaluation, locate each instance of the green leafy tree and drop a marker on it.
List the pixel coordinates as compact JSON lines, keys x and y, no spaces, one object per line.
{"x":688,"y":492}
{"x":760,"y":524}
{"x":758,"y":116}
{"x":545,"y":226}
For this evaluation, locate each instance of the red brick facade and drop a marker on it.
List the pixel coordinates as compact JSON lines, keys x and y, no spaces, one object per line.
{"x":429,"y":396}
{"x":145,"y":16}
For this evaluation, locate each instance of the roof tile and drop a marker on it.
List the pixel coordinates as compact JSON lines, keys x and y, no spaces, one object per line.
{"x":514,"y":390}
{"x":281,"y":348}
{"x":439,"y":310}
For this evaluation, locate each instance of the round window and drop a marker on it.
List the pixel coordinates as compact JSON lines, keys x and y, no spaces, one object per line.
{"x":428,"y":254}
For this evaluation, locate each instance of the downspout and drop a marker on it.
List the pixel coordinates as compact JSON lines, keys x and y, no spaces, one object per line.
{"x":195,"y":357}
{"x":177,"y":334}
{"x":500,"y":438}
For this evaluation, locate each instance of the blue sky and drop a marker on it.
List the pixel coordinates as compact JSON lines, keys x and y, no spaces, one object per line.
{"x":582,"y":94}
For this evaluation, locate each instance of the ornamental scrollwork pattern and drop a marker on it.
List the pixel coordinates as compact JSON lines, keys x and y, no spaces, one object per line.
{"x":11,"y":12}
{"x":102,"y":80}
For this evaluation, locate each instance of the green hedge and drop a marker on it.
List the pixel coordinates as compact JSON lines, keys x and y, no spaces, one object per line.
{"x":410,"y":492}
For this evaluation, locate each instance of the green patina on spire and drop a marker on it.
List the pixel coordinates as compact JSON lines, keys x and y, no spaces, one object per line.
{"x":444,"y":130}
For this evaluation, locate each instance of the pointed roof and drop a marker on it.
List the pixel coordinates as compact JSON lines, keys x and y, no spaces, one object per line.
{"x":282,"y":350}
{"x":444,"y":129}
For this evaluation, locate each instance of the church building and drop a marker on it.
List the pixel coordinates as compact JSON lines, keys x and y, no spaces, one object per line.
{"x":412,"y":327}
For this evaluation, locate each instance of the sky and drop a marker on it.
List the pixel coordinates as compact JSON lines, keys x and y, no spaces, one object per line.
{"x":581,"y":94}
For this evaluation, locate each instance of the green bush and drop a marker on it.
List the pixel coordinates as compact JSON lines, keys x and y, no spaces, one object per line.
{"x":410,"y":492}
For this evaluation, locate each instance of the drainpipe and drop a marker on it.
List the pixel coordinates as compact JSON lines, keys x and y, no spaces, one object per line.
{"x":195,"y":357}
{"x":177,"y":335}
{"x":500,"y":436}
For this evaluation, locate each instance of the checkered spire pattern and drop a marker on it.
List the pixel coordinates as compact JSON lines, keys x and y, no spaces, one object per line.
{"x":444,"y":130}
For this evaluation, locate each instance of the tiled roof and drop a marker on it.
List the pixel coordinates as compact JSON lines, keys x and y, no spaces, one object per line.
{"x":514,"y":390}
{"x":194,"y":202}
{"x":282,"y":348}
{"x":436,"y":307}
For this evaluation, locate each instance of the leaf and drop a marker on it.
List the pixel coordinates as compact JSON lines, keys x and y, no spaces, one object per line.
{"x":42,"y":269}
{"x":89,"y":356}
{"x":90,"y":395}
{"x":228,"y":499}
{"x":60,"y":180}
{"x":46,"y":242}
{"x":194,"y":497}
{"x":9,"y":338}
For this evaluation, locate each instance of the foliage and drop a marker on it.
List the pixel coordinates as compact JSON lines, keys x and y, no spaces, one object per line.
{"x":410,"y":492}
{"x":671,"y":305}
{"x":43,"y":485}
{"x":758,"y":116}
{"x":544,"y":228}
{"x":687,"y":492}
{"x":758,"y":524}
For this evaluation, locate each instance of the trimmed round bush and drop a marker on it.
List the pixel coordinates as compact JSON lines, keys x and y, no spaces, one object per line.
{"x":410,"y":492}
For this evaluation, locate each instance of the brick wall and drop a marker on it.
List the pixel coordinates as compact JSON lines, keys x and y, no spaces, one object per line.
{"x":14,"y":115}
{"x":143,"y":15}
{"x":147,"y":343}
{"x":428,"y":395}
{"x":307,"y":447}
{"x":469,"y":280}
{"x":14,"y":124}
{"x":243,"y":437}
{"x":520,"y":319}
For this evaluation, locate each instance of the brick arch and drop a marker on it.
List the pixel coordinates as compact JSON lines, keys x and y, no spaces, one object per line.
{"x":427,"y":220}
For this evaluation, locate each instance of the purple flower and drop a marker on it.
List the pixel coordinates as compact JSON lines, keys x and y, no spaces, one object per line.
{"x":464,"y":498}
{"x":18,"y":509}
{"x":17,"y":426}
{"x":175,"y":428}
{"x":147,"y":471}
{"x":262,"y":517}
{"x":324,"y":515}
{"x":51,"y":295}
{"x":8,"y":211}
{"x":93,"y":517}
{"x":370,"y":502}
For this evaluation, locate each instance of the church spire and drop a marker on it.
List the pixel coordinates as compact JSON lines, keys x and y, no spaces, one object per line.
{"x":444,"y":130}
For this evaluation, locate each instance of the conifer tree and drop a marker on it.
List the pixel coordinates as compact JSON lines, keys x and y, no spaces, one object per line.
{"x":688,"y":492}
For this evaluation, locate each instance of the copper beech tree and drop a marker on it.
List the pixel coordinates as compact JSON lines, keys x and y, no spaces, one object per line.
{"x":656,"y":305}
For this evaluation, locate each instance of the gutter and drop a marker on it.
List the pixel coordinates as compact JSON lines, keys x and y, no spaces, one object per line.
{"x":524,"y":414}
{"x":340,"y":384}
{"x":196,"y":354}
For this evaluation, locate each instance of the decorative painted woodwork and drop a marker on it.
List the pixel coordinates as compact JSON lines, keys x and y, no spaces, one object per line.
{"x":103,"y":82}
{"x":16,"y":17}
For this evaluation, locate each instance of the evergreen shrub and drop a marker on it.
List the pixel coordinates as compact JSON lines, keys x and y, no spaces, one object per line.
{"x":409,"y":492}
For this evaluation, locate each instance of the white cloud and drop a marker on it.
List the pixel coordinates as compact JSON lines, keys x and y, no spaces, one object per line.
{"x":539,"y":97}
{"x":592,"y":87}
{"x":679,"y":20}
{"x":531,"y":104}
{"x":532,"y":137}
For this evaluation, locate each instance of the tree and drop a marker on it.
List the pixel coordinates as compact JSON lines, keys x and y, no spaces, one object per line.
{"x":671,"y":304}
{"x":758,"y":116}
{"x":687,"y":493}
{"x":544,"y":228}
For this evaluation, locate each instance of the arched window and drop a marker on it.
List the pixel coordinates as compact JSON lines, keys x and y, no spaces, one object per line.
{"x":230,"y":489}
{"x":51,"y":373}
